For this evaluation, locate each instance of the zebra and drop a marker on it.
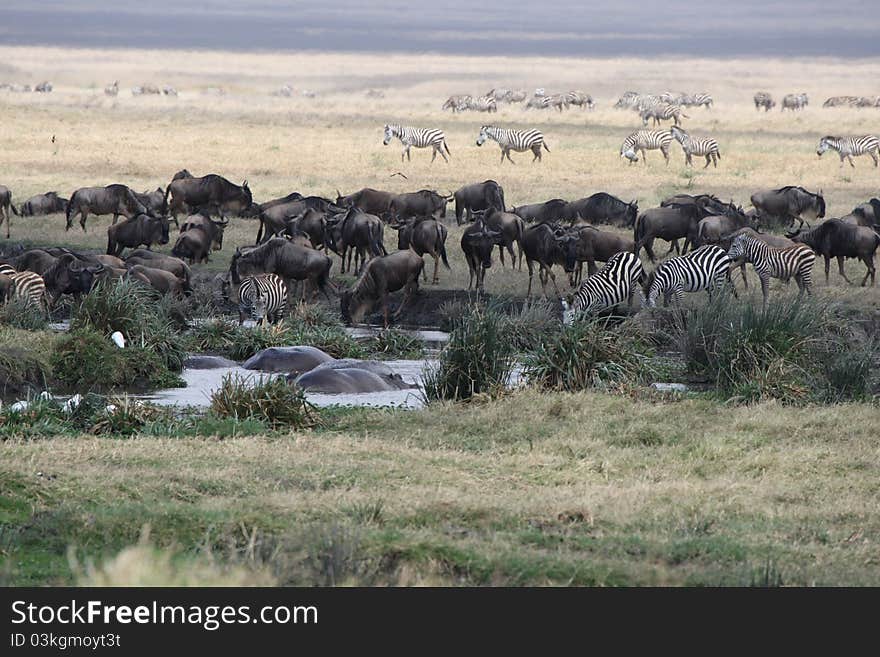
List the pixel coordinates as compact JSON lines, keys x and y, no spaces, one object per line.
{"x":262,"y":297}
{"x":26,"y":285}
{"x":707,"y":268}
{"x":457,"y":103}
{"x":706,"y":147}
{"x":646,"y":140}
{"x":616,"y":281}
{"x":673,"y":97}
{"x":627,"y":100}
{"x":697,"y":100}
{"x":846,"y":147}
{"x":663,"y":112}
{"x":765,"y":100}
{"x":536,"y":102}
{"x":579,"y":98}
{"x":482,"y":104}
{"x":516,"y":140}
{"x":794,"y":102}
{"x":848,"y":101}
{"x":559,"y":101}
{"x":112,"y":89}
{"x":418,"y":137}
{"x":769,"y":261}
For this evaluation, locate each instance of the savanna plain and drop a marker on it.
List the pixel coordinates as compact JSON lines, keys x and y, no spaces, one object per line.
{"x":750,"y":482}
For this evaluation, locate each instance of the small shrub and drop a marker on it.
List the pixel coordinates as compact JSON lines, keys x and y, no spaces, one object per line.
{"x":269,"y":400}
{"x":124,"y":416}
{"x":392,"y":343}
{"x":24,"y":362}
{"x":19,"y":313}
{"x":477,"y":359}
{"x":532,"y":324}
{"x":584,"y":355}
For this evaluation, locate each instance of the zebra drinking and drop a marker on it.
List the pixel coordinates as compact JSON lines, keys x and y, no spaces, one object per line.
{"x":418,"y":137}
{"x":706,"y":147}
{"x":262,"y":298}
{"x":646,"y":140}
{"x":616,"y":281}
{"x":793,"y":261}
{"x":516,"y":140}
{"x":846,"y":147}
{"x":707,"y":268}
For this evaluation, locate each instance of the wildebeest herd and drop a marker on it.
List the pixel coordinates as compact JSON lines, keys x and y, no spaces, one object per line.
{"x":297,"y":236}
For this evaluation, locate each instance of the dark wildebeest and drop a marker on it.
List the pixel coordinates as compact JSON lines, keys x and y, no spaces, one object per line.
{"x":423,"y":203}
{"x":312,"y":223}
{"x":479,"y":196}
{"x":214,"y":229}
{"x":424,"y":235}
{"x":86,"y":259}
{"x":865,"y":214}
{"x":787,"y":204}
{"x":477,"y":242}
{"x":547,"y":245}
{"x":5,"y":204}
{"x":382,"y":276}
{"x":132,"y":233}
{"x":671,"y":223}
{"x":275,"y":218}
{"x":154,"y":201}
{"x":48,"y":203}
{"x":291,"y":262}
{"x":776,"y":241}
{"x":211,"y":191}
{"x":712,"y":229}
{"x":158,"y":279}
{"x":35,"y":260}
{"x":199,"y":235}
{"x":510,"y":227}
{"x":69,"y":276}
{"x":112,"y":199}
{"x":593,"y":245}
{"x":371,"y":201}
{"x":836,"y":239}
{"x":603,"y":208}
{"x":356,"y":234}
{"x":155,"y":260}
{"x":548,"y":211}
{"x":712,"y":204}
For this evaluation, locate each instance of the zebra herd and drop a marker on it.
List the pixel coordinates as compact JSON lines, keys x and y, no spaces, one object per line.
{"x":540,"y":100}
{"x":648,"y":140}
{"x":507,"y":139}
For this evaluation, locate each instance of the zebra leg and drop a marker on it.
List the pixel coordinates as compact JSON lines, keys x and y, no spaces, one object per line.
{"x":433,"y":155}
{"x":742,"y":269}
{"x":442,"y":154}
{"x":873,"y":157}
{"x":850,"y":160}
{"x":765,"y":291}
{"x":508,"y":157}
{"x":665,"y":152}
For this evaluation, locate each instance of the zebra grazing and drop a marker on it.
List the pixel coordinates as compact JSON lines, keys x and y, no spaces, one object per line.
{"x":262,"y":297}
{"x":765,"y":100}
{"x":418,"y":137}
{"x":768,"y":261}
{"x":646,"y":140}
{"x":707,"y":268}
{"x":559,"y":101}
{"x":706,"y":147}
{"x":846,"y":147}
{"x":616,"y":281}
{"x":457,"y":103}
{"x":579,"y":98}
{"x":848,"y":101}
{"x":514,"y":140}
{"x":482,"y":104}
{"x":795,"y":102}
{"x":26,"y":285}
{"x":663,"y":112}
{"x":698,"y":99}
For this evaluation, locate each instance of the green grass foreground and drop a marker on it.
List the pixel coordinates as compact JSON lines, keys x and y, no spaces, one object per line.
{"x":529,"y":489}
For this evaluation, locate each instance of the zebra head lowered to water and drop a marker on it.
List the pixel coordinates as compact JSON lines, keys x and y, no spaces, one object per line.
{"x":616,"y":281}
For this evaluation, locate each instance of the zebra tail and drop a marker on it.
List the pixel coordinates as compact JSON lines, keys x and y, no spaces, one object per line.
{"x":446,"y":146}
{"x":546,"y":147}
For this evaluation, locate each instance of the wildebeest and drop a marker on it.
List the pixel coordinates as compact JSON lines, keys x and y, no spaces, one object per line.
{"x":211,"y":191}
{"x":765,"y":100}
{"x":312,"y":223}
{"x":155,"y":260}
{"x":290,"y":261}
{"x":356,"y":234}
{"x":5,"y":204}
{"x":199,"y":235}
{"x":153,"y":201}
{"x":159,"y":279}
{"x":112,"y":199}
{"x":132,"y":233}
{"x":836,"y":239}
{"x":603,"y":208}
{"x":424,"y":235}
{"x":423,"y":203}
{"x":787,"y":204}
{"x":48,"y":203}
{"x":510,"y":228}
{"x":43,"y":87}
{"x":371,"y":201}
{"x":546,"y":245}
{"x":381,"y":276}
{"x":671,"y":223}
{"x":276,"y":215}
{"x":713,"y":228}
{"x":478,"y":196}
{"x":35,"y":260}
{"x":68,"y":275}
{"x":212,"y":228}
{"x":591,"y":246}
{"x":550,"y":211}
{"x":477,"y":243}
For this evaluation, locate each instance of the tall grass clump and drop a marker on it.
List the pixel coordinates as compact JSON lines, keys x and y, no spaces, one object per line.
{"x":477,"y":359}
{"x":19,"y":313}
{"x":795,"y":351}
{"x":273,"y":401}
{"x":586,"y":354}
{"x":24,"y":360}
{"x":392,"y":343}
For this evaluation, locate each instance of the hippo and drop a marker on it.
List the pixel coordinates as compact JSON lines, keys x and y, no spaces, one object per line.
{"x":350,"y":376}
{"x":202,"y":362}
{"x":294,"y":360}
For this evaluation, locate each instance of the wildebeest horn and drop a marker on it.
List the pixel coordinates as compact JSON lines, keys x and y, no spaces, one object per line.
{"x":338,"y":193}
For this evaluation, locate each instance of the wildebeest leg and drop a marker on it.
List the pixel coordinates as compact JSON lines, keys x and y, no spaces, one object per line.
{"x":512,"y":255}
{"x":115,"y":217}
{"x":531,"y":273}
{"x":501,"y":254}
{"x":436,"y":279}
{"x":553,"y":278}
{"x":869,"y":263}
{"x":840,"y":260}
{"x":673,"y":245}
{"x":82,"y":219}
{"x":649,"y":249}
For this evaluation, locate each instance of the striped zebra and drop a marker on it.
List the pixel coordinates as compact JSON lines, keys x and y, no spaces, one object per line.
{"x":846,"y":147}
{"x":765,"y":100}
{"x":559,"y":101}
{"x":617,"y":281}
{"x":673,"y":97}
{"x":418,"y":137}
{"x":663,"y":112}
{"x":696,"y":100}
{"x":707,"y":268}
{"x":848,"y":101}
{"x":482,"y":104}
{"x":627,"y":100}
{"x":457,"y":103}
{"x":26,"y":285}
{"x":706,"y":147}
{"x":646,"y":140}
{"x":794,"y":102}
{"x":514,"y":140}
{"x":579,"y":98}
{"x":262,"y":297}
{"x":768,"y":261}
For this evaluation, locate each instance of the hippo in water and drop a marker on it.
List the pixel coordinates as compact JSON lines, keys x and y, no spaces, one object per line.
{"x":295,"y":360}
{"x":350,"y":376}
{"x":203,"y":362}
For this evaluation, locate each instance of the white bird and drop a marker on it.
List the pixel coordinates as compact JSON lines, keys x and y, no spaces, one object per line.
{"x":118,"y":339}
{"x":72,"y":404}
{"x":19,"y":406}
